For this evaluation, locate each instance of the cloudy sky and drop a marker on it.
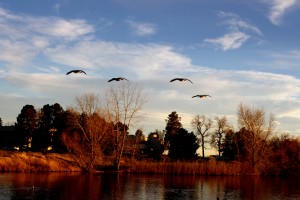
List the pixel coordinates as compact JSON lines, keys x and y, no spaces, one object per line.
{"x":237,"y":51}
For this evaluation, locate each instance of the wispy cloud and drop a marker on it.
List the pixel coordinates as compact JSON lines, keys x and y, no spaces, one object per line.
{"x":22,"y":37}
{"x":229,"y":41}
{"x":139,"y":60}
{"x":56,"y":8}
{"x":142,"y":28}
{"x":279,"y":8}
{"x":240,"y":31}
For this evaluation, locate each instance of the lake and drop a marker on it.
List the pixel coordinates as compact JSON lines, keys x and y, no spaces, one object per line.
{"x":120,"y":186}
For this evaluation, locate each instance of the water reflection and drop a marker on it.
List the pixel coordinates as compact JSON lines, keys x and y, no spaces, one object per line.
{"x":131,"y":186}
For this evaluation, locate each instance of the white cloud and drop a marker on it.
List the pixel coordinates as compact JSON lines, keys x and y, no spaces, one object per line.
{"x":139,"y":60}
{"x":229,"y":41}
{"x":24,"y":37}
{"x":238,"y":24}
{"x":57,"y":27}
{"x":239,"y":31}
{"x":142,"y":28}
{"x":235,"y":23}
{"x":279,"y":8}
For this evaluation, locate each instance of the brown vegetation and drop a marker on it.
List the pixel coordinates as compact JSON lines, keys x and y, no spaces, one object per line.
{"x":210,"y":167}
{"x":13,"y":161}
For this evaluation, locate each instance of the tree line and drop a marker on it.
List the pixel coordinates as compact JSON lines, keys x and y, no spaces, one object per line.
{"x":94,"y":130}
{"x":255,"y":143}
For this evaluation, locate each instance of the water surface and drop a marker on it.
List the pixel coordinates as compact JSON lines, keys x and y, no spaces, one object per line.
{"x":143,"y":187}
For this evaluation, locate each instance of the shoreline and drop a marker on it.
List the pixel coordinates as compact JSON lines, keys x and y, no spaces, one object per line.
{"x":32,"y":162}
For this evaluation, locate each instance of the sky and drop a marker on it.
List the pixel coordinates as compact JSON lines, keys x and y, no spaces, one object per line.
{"x":237,"y":51}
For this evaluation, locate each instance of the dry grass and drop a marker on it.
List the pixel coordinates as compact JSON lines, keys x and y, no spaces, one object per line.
{"x":211,"y":167}
{"x":12,"y":161}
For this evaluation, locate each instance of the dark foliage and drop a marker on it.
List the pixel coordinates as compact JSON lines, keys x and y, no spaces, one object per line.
{"x":183,"y":146}
{"x":51,"y":123}
{"x":155,"y":146}
{"x":26,"y":125}
{"x":172,"y":127}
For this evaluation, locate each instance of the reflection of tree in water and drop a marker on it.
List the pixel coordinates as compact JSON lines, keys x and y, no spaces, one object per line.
{"x":120,"y":186}
{"x":56,"y":186}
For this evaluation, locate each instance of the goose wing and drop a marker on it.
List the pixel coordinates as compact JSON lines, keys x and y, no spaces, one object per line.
{"x":188,"y":80}
{"x":174,"y":79}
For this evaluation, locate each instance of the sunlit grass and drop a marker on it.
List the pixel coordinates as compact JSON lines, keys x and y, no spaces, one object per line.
{"x":35,"y":162}
{"x":14,"y":161}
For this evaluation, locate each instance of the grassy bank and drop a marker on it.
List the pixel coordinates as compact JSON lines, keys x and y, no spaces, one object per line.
{"x":211,"y":167}
{"x":13,"y":161}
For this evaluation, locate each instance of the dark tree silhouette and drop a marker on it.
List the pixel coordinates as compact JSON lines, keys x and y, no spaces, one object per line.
{"x":139,"y":136}
{"x":183,"y":146}
{"x":230,"y":146}
{"x":285,"y":153}
{"x":156,"y":147}
{"x":172,"y":127}
{"x":26,"y":125}
{"x":1,"y":123}
{"x":59,"y":124}
{"x":50,"y":126}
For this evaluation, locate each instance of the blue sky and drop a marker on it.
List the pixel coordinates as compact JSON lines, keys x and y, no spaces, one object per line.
{"x":237,"y":51}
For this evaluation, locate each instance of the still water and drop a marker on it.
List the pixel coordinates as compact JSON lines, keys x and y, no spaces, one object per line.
{"x":143,"y":187}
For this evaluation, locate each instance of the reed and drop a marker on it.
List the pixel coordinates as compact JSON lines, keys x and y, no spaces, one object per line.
{"x":211,"y":167}
{"x":35,"y":162}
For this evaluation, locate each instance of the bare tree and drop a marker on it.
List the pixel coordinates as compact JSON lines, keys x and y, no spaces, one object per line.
{"x":124,"y":103}
{"x":202,"y":126}
{"x":222,"y":126}
{"x":87,"y":128}
{"x":258,"y":130}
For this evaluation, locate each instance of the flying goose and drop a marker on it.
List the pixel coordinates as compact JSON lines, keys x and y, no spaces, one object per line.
{"x":118,"y":79}
{"x":201,"y":95}
{"x":180,"y":79}
{"x":76,"y":71}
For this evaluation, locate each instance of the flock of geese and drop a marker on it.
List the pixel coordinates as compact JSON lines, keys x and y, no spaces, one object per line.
{"x":78,"y":71}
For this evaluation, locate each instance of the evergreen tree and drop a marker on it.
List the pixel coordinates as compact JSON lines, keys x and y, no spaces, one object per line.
{"x":26,"y":125}
{"x":156,"y":148}
{"x":229,"y":146}
{"x":183,"y":145}
{"x":172,"y":127}
{"x":50,"y":125}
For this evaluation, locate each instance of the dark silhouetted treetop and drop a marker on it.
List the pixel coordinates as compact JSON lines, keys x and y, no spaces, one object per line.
{"x":183,"y":146}
{"x":172,"y":127}
{"x":26,"y":124}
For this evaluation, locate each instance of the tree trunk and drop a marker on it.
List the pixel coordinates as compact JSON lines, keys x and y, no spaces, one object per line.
{"x":203,"y":147}
{"x":119,"y":155}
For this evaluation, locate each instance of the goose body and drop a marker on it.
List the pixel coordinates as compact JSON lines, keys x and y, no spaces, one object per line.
{"x":201,"y":95}
{"x":181,"y":79}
